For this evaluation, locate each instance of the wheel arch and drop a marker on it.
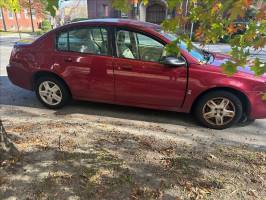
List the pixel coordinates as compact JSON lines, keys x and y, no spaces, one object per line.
{"x":40,"y":74}
{"x":243,"y":98}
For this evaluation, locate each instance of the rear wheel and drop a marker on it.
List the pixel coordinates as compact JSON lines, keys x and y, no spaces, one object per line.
{"x":219,"y":109}
{"x":52,"y":92}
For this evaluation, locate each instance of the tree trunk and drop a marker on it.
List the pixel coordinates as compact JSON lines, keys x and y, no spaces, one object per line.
{"x":16,"y":16}
{"x":7,"y":148}
{"x":31,"y":18}
{"x":3,"y":19}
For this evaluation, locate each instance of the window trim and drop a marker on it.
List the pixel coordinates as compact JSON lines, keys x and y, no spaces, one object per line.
{"x":67,"y":30}
{"x":116,"y":29}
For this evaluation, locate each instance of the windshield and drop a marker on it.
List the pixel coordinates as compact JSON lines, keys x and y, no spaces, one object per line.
{"x":194,"y":52}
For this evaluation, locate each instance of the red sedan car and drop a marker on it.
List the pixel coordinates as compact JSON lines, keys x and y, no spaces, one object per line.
{"x":125,"y":62}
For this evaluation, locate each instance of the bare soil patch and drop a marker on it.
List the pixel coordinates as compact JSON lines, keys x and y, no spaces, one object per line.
{"x":68,"y":159}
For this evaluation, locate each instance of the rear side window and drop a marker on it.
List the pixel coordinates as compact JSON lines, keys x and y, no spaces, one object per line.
{"x":62,"y":44}
{"x":84,"y":40}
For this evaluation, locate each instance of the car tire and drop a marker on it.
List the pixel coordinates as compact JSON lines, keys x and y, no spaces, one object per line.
{"x":219,"y":109}
{"x":246,"y":120}
{"x":52,"y":92}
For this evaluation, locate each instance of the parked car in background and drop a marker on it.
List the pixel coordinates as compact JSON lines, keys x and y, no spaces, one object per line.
{"x":125,"y":62}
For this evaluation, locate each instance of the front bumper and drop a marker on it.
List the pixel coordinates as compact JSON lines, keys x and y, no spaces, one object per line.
{"x":258,"y":105}
{"x":19,"y":76}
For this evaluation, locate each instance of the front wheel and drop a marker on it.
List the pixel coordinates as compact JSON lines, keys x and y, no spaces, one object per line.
{"x":219,"y":109}
{"x":246,"y":120}
{"x":52,"y":92}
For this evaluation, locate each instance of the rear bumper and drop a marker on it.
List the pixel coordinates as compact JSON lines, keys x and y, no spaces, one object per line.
{"x":19,"y":76}
{"x":258,"y":105}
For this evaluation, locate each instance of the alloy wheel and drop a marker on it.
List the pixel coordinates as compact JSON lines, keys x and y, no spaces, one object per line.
{"x":219,"y":111}
{"x":50,"y":93}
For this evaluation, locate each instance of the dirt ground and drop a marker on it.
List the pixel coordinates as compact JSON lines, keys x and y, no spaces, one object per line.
{"x":79,"y":156}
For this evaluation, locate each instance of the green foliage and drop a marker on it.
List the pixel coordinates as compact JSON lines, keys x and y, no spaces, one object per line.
{"x":172,"y":48}
{"x":258,"y":67}
{"x":51,"y":6}
{"x":121,"y":5}
{"x":229,"y":68}
{"x":2,"y":3}
{"x":46,"y":26}
{"x":10,"y":4}
{"x":216,"y":19}
{"x":264,"y":97}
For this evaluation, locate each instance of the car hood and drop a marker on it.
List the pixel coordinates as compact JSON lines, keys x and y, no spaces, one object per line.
{"x":223,"y":58}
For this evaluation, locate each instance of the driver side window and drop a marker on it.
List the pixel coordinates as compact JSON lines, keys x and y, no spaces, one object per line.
{"x":149,"y":49}
{"x":133,"y":45}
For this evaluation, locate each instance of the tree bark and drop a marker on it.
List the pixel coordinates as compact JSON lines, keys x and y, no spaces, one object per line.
{"x":7,"y":148}
{"x":16,"y":16}
{"x":31,"y":18}
{"x":3,"y":19}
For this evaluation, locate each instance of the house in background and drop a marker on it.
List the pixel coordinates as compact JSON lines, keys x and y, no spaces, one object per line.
{"x":156,"y":10}
{"x":103,"y":9}
{"x":70,"y":10}
{"x":8,"y":20}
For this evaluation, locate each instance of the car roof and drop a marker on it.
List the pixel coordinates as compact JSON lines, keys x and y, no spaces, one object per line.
{"x":118,"y":22}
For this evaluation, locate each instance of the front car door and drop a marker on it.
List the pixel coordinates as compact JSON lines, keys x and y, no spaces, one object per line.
{"x":84,"y":60}
{"x":140,"y":78}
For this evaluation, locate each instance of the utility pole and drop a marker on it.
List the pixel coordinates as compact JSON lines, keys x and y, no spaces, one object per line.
{"x":32,"y":24}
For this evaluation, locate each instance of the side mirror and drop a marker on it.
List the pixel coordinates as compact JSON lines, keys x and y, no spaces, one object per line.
{"x":174,"y":62}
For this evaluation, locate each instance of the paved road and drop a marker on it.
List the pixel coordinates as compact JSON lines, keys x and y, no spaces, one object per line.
{"x":21,"y":105}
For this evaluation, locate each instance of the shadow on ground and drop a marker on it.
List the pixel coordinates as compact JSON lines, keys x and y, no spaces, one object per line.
{"x":95,"y":173}
{"x":17,"y":97}
{"x":18,"y":103}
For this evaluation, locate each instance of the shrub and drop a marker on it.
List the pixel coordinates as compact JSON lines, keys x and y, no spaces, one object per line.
{"x":46,"y":26}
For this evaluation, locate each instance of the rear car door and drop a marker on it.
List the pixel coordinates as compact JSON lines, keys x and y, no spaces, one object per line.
{"x":84,"y":60}
{"x":140,"y":77}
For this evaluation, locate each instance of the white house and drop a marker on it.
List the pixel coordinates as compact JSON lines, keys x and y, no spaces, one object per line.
{"x":72,"y":9}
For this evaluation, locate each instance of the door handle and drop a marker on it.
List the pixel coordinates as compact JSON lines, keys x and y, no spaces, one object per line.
{"x":126,"y":67}
{"x":68,"y":59}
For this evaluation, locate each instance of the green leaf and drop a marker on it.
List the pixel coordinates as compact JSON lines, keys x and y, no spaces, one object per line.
{"x":264,"y":97}
{"x":145,"y":2}
{"x":174,"y":3}
{"x":229,"y":68}
{"x":258,"y":68}
{"x":123,"y":5}
{"x":170,"y":25}
{"x":50,"y":6}
{"x":172,"y":49}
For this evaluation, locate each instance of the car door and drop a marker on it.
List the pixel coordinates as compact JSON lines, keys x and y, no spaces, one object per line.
{"x":85,"y":62}
{"x":140,"y":77}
